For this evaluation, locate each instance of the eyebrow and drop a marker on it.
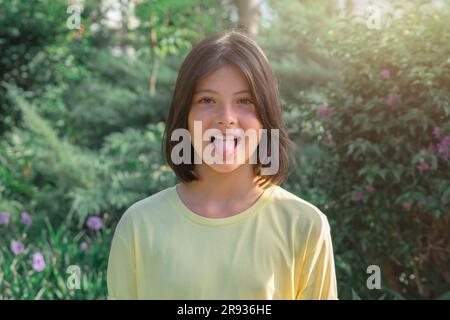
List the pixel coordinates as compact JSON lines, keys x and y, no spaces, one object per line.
{"x":215,"y":92}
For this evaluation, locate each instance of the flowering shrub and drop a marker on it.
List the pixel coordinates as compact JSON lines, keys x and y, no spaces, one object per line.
{"x":386,"y":129}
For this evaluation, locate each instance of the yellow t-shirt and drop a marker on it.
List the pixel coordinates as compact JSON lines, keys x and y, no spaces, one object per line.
{"x":279,"y":248}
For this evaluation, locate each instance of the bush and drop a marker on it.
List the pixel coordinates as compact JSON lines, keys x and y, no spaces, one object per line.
{"x":386,"y":131}
{"x":53,"y":175}
{"x":26,"y":39}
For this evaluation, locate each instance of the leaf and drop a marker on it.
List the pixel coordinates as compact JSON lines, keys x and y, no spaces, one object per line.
{"x":355,"y":296}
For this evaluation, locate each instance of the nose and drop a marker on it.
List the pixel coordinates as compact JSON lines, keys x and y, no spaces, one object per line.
{"x":226,"y":116}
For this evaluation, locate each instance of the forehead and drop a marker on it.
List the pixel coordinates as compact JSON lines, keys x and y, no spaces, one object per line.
{"x":225,"y":78}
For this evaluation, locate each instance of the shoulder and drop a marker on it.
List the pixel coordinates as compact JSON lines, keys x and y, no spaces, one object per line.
{"x":299,"y":212}
{"x":141,"y":212}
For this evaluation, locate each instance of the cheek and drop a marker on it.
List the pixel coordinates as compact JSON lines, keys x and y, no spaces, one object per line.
{"x":193,"y":116}
{"x":198,"y":115}
{"x":251,"y":123}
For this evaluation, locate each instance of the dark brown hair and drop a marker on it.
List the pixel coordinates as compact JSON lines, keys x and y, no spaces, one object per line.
{"x":237,"y":49}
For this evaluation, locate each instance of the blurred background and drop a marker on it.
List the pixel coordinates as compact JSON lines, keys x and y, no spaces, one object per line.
{"x":85,"y":88}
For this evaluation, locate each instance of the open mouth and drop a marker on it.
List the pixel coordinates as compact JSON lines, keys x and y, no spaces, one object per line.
{"x":225,"y":140}
{"x":224,"y":146}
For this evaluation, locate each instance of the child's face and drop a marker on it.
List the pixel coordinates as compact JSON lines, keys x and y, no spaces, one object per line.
{"x":223,"y":100}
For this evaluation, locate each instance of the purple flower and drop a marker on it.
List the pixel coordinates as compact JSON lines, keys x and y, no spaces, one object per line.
{"x":25,"y":218}
{"x":16,"y":247}
{"x":357,"y":196}
{"x":423,"y":166}
{"x":385,"y":73}
{"x":94,"y":223}
{"x":446,"y":141}
{"x":4,"y":218}
{"x":38,"y":262}
{"x":442,"y":149}
{"x":437,"y":132}
{"x":370,"y":189}
{"x":323,"y":111}
{"x":445,"y":153}
{"x":430,"y":149}
{"x":328,"y":138}
{"x":83,"y":246}
{"x":392,"y":101}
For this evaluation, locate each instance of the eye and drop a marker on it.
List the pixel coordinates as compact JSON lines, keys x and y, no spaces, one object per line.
{"x":206,"y":100}
{"x":245,"y":101}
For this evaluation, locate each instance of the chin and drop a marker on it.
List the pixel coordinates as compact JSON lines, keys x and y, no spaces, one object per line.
{"x":224,"y":168}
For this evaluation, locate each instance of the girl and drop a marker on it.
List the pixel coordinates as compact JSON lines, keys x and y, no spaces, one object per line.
{"x":227,"y":230}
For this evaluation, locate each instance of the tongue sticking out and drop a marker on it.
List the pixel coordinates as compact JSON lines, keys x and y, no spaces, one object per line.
{"x":223,"y":147}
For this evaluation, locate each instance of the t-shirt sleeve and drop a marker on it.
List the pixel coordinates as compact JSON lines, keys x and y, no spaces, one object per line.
{"x":121,"y":274}
{"x":317,"y":276}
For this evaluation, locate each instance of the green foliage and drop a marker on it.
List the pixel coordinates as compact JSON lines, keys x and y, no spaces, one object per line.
{"x":128,"y":167}
{"x":176,"y":24}
{"x":26,"y":33}
{"x":64,"y":184}
{"x":61,"y":159}
{"x":61,"y":248}
{"x":82,"y":135}
{"x":81,"y":132}
{"x":389,"y":123}
{"x":368,"y":153}
{"x":291,"y":42}
{"x":114,"y":95}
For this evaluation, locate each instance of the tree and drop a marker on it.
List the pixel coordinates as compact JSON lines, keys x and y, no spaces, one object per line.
{"x":249,"y":12}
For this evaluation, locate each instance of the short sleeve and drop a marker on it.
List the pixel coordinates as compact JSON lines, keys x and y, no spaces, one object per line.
{"x":317,"y":278}
{"x":121,"y":274}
